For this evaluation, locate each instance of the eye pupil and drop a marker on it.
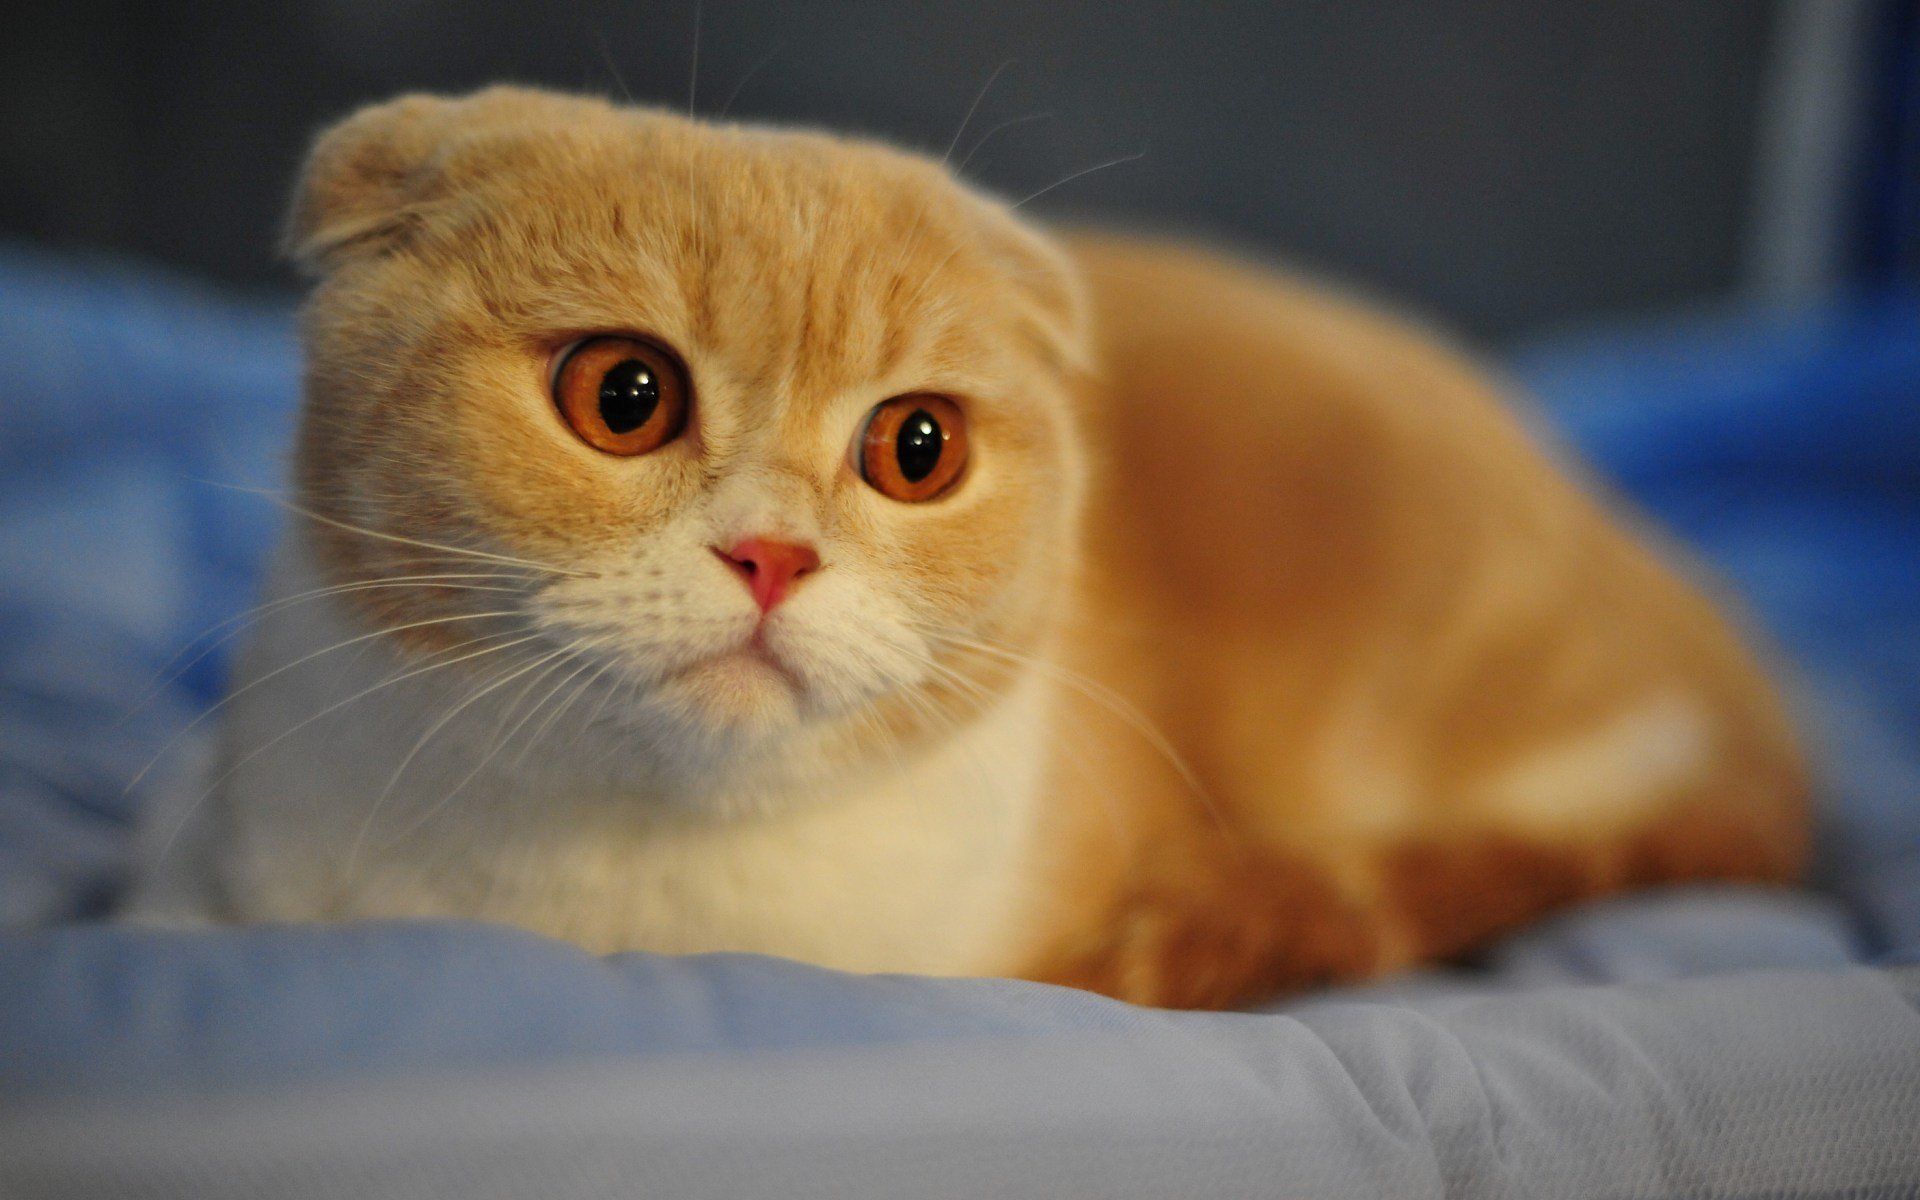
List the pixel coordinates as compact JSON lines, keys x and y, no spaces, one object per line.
{"x":913,"y":448}
{"x":622,"y":395}
{"x":629,"y":392}
{"x":918,"y":446}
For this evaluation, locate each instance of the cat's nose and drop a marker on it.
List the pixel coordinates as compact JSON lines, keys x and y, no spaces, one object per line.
{"x":769,"y":568}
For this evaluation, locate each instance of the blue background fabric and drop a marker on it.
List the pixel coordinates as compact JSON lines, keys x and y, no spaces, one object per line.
{"x":1691,"y":1042}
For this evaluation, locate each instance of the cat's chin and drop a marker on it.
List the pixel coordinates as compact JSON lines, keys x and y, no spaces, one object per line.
{"x":744,"y":693}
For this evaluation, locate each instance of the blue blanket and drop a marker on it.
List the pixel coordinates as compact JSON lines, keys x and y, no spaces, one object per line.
{"x":1700,"y":1042}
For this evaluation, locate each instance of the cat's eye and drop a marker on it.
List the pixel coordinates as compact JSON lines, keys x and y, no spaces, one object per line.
{"x":913,"y":448}
{"x":622,"y":395}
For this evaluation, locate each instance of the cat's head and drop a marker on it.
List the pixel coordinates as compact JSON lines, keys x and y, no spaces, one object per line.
{"x":761,"y":434}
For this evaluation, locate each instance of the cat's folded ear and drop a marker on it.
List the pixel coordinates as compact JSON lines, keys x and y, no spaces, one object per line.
{"x":361,"y":178}
{"x":370,"y":176}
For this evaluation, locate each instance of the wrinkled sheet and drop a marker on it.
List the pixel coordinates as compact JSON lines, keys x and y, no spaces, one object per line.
{"x":1697,"y":1042}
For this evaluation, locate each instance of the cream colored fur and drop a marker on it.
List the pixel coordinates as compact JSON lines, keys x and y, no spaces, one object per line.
{"x":1257,"y":646}
{"x":913,"y":864}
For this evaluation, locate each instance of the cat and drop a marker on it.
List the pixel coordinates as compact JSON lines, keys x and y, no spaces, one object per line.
{"x":717,"y":537}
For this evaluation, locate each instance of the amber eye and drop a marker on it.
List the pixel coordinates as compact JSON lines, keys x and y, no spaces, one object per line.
{"x":913,"y":447}
{"x":622,"y":395}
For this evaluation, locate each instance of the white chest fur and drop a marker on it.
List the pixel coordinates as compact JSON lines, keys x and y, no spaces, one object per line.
{"x":917,"y":865}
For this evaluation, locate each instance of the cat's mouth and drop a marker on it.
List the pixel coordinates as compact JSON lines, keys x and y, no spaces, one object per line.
{"x":748,"y":685}
{"x":751,"y":660}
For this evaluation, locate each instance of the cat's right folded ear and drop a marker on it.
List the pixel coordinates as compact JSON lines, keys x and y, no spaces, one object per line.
{"x":363,"y":178}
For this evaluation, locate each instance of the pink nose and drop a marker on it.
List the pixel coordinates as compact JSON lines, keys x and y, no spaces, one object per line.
{"x":769,"y":568}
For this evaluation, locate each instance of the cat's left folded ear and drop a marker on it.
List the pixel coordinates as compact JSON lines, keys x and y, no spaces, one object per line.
{"x":369,"y":177}
{"x":355,"y":186}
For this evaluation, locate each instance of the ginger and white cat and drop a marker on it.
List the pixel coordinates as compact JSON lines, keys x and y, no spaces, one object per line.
{"x":721,"y":537}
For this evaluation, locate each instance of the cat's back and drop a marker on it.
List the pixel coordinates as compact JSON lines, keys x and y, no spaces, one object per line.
{"x":1289,"y":480}
{"x":1260,"y":430}
{"x":1307,"y":493}
{"x":1387,"y":633}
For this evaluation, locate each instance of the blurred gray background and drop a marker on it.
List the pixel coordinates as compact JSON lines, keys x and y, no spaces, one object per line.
{"x":1506,"y":165}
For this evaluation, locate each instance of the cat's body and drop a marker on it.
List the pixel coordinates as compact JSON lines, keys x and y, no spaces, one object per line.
{"x":1429,"y":686}
{"x":1253,"y":646}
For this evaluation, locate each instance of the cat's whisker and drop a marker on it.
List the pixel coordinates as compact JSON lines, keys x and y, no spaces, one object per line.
{"x":982,"y":698}
{"x":965,"y":691}
{"x":539,"y":735}
{"x":606,"y":56}
{"x":347,"y":527}
{"x":615,"y":745}
{"x":425,"y":580}
{"x":948,"y":724}
{"x":514,"y":667}
{"x":446,"y":719}
{"x":973,"y":108}
{"x":968,"y":688}
{"x":559,"y":659}
{"x":628,"y":689}
{"x":744,"y":80}
{"x":235,"y":694}
{"x":1070,"y":745}
{"x":465,"y":558}
{"x":186,"y":817}
{"x":1133,"y":719}
{"x":1075,"y":746}
{"x":1101,"y":166}
{"x":693,"y":69}
{"x":511,"y":707}
{"x":585,"y":663}
{"x":1097,"y":692}
{"x":173,"y":668}
{"x":870,"y":730}
{"x":606,"y":698}
{"x":606,"y":642}
{"x":989,"y":134}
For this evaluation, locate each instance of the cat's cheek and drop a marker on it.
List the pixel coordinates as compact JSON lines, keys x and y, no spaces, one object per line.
{"x":529,"y":486}
{"x":965,"y":568}
{"x":572,"y":507}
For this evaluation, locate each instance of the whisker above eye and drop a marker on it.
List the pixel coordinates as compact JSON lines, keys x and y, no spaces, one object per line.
{"x":1101,"y":166}
{"x":693,"y":68}
{"x":986,"y":137}
{"x":974,"y":108}
{"x":744,"y":80}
